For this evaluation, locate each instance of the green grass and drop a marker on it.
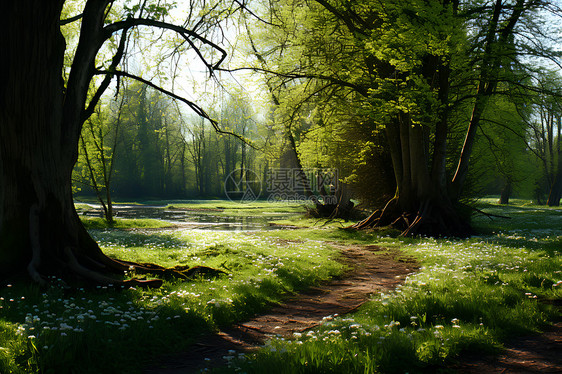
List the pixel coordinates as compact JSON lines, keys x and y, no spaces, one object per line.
{"x":308,"y":222}
{"x":236,"y":209}
{"x":112,"y":330}
{"x":468,"y":296}
{"x":82,"y":206}
{"x":92,"y":223}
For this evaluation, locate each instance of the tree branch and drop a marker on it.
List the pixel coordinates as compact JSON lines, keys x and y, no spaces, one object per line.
{"x":63,"y":22}
{"x":107,"y":79}
{"x":243,"y":6}
{"x":185,"y":33}
{"x":361,"y":90}
{"x":83,"y":66}
{"x":196,"y":108}
{"x":489,"y":215}
{"x":345,"y":18}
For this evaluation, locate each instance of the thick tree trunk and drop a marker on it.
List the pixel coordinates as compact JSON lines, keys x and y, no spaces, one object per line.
{"x":434,"y":216}
{"x":40,"y":231}
{"x":555,"y":191}
{"x":32,"y":172}
{"x":506,"y":193}
{"x":39,"y":228}
{"x":420,"y":205}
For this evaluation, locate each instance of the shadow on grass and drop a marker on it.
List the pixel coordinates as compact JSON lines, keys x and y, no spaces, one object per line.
{"x":130,"y":239}
{"x":90,"y":331}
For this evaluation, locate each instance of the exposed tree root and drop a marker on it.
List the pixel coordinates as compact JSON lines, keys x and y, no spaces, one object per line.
{"x":333,"y":211}
{"x":79,"y":272}
{"x":489,"y":215}
{"x":177,"y":272}
{"x":83,"y":261}
{"x":335,"y":204}
{"x":434,"y":219}
{"x":381,"y":218}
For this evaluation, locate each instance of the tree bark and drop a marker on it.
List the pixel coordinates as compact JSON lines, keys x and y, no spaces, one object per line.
{"x":34,"y":191}
{"x":555,"y":193}
{"x":556,"y":187}
{"x":40,"y":123}
{"x":420,"y":205}
{"x":506,"y":193}
{"x":39,"y":228}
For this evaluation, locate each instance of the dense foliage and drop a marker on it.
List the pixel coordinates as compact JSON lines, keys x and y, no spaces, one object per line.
{"x":342,"y":79}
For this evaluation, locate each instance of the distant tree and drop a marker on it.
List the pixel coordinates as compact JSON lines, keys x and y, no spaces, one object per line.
{"x":98,"y":149}
{"x":545,"y":135}
{"x":142,"y":129}
{"x":502,"y":160}
{"x":216,"y":156}
{"x":237,"y":115}
{"x":174,"y":150}
{"x":198,"y":154}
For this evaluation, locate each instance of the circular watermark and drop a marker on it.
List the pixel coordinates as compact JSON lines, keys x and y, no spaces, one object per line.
{"x":242,"y":186}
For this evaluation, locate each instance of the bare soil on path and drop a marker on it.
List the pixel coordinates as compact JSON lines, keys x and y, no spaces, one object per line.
{"x":538,"y":353}
{"x":373,"y":269}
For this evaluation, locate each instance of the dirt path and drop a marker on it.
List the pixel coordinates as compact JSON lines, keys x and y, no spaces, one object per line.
{"x":540,"y":353}
{"x":373,"y":269}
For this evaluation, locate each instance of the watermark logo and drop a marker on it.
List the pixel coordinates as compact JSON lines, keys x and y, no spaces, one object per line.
{"x":283,"y":184}
{"x":242,"y":186}
{"x":298,"y":185}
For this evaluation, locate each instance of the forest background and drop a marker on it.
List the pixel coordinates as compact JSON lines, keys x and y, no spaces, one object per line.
{"x":141,"y":143}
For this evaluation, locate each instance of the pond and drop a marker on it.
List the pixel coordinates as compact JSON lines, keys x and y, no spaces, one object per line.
{"x":196,"y":219}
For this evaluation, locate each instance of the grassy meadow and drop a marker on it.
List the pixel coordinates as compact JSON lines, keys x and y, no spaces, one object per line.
{"x":468,"y":296}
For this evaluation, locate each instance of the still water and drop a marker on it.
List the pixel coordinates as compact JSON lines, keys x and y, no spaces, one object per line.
{"x":195,"y":219}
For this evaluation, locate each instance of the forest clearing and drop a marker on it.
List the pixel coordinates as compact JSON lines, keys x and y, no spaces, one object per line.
{"x":280,"y":186}
{"x":453,"y":299}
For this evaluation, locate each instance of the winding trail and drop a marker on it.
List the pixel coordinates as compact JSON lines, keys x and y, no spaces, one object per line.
{"x":372,"y":269}
{"x":538,"y":353}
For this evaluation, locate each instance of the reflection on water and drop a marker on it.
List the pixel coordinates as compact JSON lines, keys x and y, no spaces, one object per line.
{"x":195,"y":219}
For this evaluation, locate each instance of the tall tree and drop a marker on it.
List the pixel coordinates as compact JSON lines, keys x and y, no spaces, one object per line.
{"x":502,"y":160}
{"x":41,"y":117}
{"x":417,"y":68}
{"x":199,"y":155}
{"x":545,"y":130}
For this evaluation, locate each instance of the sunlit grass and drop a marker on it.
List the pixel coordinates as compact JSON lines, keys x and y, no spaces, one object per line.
{"x":308,"y":222}
{"x":468,"y":296}
{"x":235,"y":209}
{"x":88,"y":331}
